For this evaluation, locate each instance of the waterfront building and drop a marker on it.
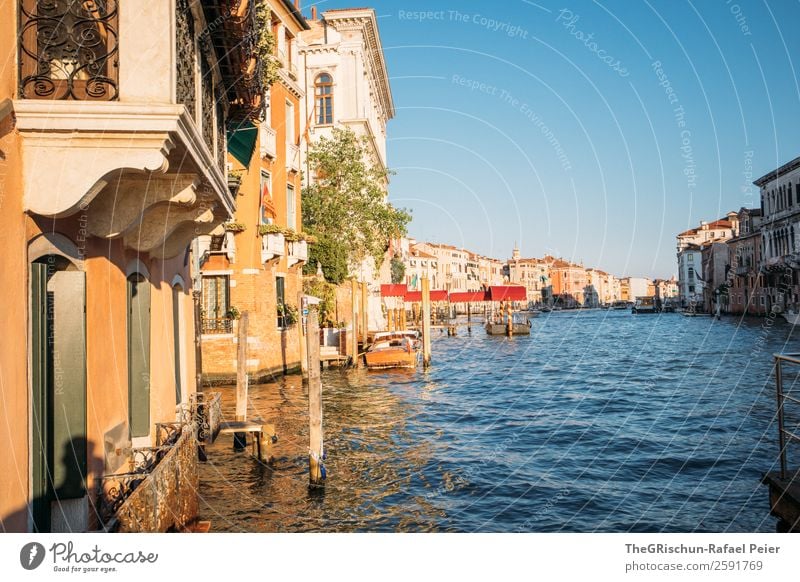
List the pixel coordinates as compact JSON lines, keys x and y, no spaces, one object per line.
{"x":666,"y":291}
{"x":715,"y":258}
{"x":254,"y":263}
{"x":690,"y":278}
{"x":347,"y":86}
{"x":780,"y":227}
{"x":600,"y":289}
{"x":745,"y":250}
{"x":534,"y":275}
{"x":491,"y":271}
{"x":568,"y":282}
{"x":421,"y":264}
{"x":451,"y":263}
{"x":112,"y":141}
{"x":639,"y":287}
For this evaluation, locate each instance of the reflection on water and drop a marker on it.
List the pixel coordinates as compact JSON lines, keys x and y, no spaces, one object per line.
{"x":599,"y":421}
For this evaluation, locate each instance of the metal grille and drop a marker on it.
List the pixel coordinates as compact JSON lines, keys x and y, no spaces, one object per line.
{"x":68,"y":49}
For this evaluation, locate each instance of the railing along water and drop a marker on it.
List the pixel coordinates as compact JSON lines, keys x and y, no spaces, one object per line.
{"x":785,"y":436}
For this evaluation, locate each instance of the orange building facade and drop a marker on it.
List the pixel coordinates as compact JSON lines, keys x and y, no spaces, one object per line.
{"x":254,"y":264}
{"x":112,"y":162}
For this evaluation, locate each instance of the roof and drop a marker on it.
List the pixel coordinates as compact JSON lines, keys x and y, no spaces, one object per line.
{"x":394,"y":290}
{"x":468,"y":297}
{"x":507,"y":293}
{"x":295,"y":12}
{"x":721,"y":223}
{"x":775,"y":174}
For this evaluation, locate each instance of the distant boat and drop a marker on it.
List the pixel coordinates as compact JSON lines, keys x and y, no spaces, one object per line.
{"x":620,"y":305}
{"x":644,"y":305}
{"x":393,"y":349}
{"x":791,"y":316}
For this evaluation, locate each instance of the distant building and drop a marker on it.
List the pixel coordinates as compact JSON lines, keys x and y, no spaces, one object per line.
{"x":690,"y":277}
{"x":534,"y":275}
{"x":569,"y":282}
{"x":780,"y":227}
{"x":745,"y":250}
{"x":715,"y":258}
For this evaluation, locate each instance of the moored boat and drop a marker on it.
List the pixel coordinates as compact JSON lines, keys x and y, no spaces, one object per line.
{"x":644,"y":305}
{"x":791,"y":316}
{"x":520,"y":325}
{"x":393,"y":349}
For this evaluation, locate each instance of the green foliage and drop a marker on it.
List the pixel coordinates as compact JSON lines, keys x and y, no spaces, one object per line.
{"x":346,"y":202}
{"x":398,"y":270}
{"x":332,"y":255}
{"x":326,"y":293}
{"x":288,"y":314}
{"x":265,"y":43}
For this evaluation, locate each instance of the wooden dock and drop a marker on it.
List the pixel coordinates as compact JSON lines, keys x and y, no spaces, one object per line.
{"x":263,"y":436}
{"x":784,"y":499}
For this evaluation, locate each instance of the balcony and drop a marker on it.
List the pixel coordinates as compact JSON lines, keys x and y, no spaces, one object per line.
{"x":288,"y":65}
{"x":273,"y":245}
{"x":298,"y":252}
{"x":292,"y":157}
{"x":268,"y":142}
{"x":158,"y":493}
{"x":217,"y":325}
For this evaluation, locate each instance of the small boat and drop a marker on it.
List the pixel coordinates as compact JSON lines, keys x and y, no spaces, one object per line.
{"x":644,"y":305}
{"x":791,"y":316}
{"x":520,"y":325}
{"x":393,"y":349}
{"x":620,"y":305}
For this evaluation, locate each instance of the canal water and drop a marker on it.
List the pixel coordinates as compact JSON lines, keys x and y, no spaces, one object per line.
{"x":600,"y":421}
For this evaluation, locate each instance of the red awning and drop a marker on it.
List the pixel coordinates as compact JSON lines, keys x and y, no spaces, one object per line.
{"x":507,"y":293}
{"x":393,"y":290}
{"x":436,"y":295}
{"x":468,"y":297}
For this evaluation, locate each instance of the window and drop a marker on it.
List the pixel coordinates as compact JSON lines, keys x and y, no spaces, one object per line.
{"x":291,"y":209}
{"x":68,"y":50}
{"x":267,"y":211}
{"x":691,"y":288}
{"x":323,"y":97}
{"x":691,"y":258}
{"x":290,"y":123}
{"x":216,"y":304}
{"x":691,"y":273}
{"x":280,"y":296}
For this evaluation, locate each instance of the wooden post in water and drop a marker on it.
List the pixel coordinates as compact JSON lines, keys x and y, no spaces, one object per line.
{"x":240,"y":438}
{"x":403,"y":317}
{"x":315,"y":446}
{"x":469,"y":317}
{"x":364,"y":314}
{"x":426,"y":322}
{"x":301,"y":336}
{"x":510,"y":320}
{"x":354,"y":288}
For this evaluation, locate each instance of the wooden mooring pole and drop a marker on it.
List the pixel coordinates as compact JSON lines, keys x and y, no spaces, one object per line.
{"x":315,"y":445}
{"x":354,"y":343}
{"x":426,"y":322}
{"x":240,"y":438}
{"x":364,"y":314}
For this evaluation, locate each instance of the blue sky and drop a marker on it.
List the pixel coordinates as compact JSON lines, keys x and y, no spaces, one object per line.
{"x":592,"y":130}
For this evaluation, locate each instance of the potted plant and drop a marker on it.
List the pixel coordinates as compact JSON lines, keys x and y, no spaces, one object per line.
{"x":287,"y":314}
{"x":234,"y":227}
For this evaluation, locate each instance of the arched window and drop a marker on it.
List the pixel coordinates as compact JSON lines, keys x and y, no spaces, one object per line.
{"x":323,"y":95}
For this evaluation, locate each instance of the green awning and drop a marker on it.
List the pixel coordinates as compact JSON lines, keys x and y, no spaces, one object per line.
{"x":242,"y":142}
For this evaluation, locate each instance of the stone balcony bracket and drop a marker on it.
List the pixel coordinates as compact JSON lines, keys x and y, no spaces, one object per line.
{"x":139,"y":172}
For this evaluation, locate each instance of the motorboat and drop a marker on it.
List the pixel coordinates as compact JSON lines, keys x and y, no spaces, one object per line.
{"x":393,"y":349}
{"x":644,"y":305}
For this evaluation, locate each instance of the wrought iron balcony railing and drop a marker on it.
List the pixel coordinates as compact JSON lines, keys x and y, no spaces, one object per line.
{"x":217,"y":325}
{"x":68,"y":49}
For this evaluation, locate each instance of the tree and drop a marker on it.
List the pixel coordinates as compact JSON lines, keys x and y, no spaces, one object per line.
{"x":332,"y":255}
{"x":346,"y":204}
{"x":398,"y":270}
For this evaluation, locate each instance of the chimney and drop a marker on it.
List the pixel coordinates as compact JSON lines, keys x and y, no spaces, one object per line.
{"x":313,"y":13}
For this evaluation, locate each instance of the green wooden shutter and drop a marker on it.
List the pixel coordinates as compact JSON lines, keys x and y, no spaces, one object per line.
{"x":69,"y":383}
{"x":39,"y":375}
{"x":176,"y":337}
{"x":139,"y":355}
